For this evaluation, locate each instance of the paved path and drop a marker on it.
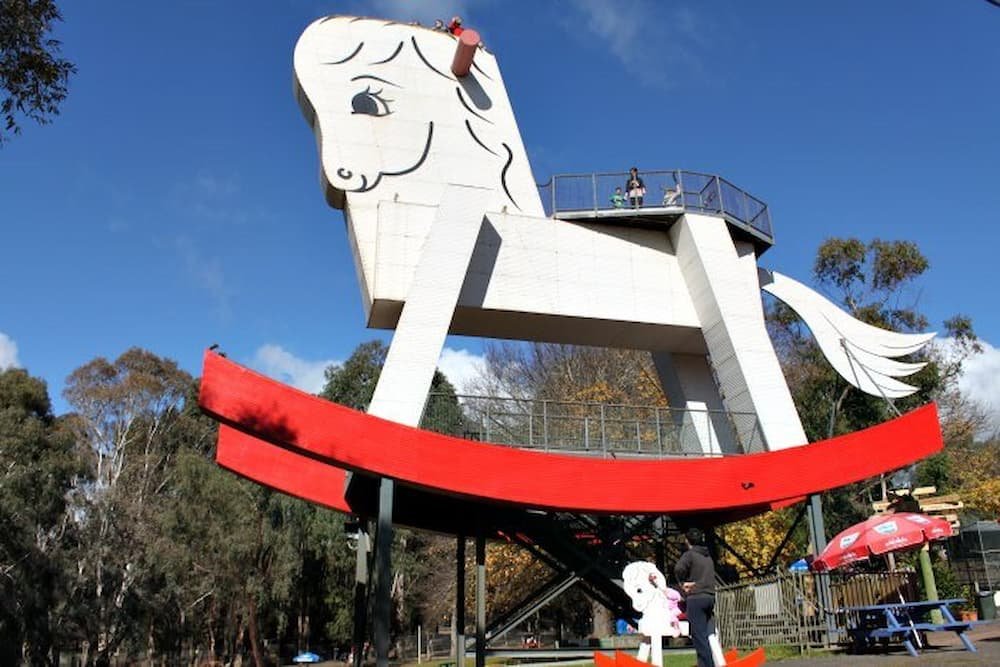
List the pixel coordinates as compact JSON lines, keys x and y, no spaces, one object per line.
{"x":945,"y":649}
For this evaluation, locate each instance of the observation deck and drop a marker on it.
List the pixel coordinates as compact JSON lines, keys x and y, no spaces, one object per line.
{"x":669,"y":194}
{"x":608,"y":430}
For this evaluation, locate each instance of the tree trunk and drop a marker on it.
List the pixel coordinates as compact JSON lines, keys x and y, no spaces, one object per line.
{"x":258,"y":657}
{"x":149,"y":644}
{"x":237,"y":651}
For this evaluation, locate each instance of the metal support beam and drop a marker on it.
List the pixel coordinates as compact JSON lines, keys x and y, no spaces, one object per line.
{"x":460,"y":601}
{"x":480,"y":600}
{"x":817,"y":529}
{"x":360,"y":595}
{"x":788,"y":536}
{"x":817,"y":538}
{"x":710,"y":536}
{"x":535,"y":601}
{"x":383,"y":573}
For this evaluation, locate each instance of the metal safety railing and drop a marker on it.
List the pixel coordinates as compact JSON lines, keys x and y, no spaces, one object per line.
{"x":609,"y":429}
{"x":665,"y":191}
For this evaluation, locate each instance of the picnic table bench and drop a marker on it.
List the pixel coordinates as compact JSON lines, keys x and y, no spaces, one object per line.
{"x":905,"y":621}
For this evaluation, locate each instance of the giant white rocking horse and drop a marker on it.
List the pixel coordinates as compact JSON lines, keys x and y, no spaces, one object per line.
{"x":418,"y":145}
{"x":449,"y":236}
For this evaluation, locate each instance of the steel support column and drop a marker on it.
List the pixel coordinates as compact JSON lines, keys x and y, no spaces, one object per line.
{"x":460,"y":601}
{"x":817,"y":538}
{"x":383,"y":573}
{"x":360,"y":596}
{"x":480,"y":600}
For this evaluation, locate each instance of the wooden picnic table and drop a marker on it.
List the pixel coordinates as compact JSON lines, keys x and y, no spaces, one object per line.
{"x":903,"y":620}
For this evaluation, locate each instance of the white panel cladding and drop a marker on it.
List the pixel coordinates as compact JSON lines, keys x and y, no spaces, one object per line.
{"x":688,"y":383}
{"x":544,"y":266}
{"x":721,"y":277}
{"x":392,"y":121}
{"x":430,"y":304}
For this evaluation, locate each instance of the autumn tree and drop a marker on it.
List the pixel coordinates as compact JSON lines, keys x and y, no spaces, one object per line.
{"x":564,"y":373}
{"x":33,"y":76}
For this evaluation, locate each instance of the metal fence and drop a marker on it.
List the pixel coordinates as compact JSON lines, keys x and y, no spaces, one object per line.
{"x":669,"y":191}
{"x":801,"y":608}
{"x":609,"y":429}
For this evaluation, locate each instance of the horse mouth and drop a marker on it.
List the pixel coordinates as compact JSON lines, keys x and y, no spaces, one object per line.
{"x":366,"y":186}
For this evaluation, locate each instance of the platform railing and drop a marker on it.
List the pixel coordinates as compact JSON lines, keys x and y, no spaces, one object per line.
{"x":666,"y":191}
{"x":609,"y":429}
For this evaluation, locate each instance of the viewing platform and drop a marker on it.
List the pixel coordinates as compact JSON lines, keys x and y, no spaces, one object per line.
{"x":669,"y":194}
{"x":609,"y":430}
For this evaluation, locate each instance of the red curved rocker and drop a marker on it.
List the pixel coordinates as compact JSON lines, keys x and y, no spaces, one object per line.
{"x":320,"y":437}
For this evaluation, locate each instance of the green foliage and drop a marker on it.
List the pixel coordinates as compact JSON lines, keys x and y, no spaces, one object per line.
{"x":418,"y":559}
{"x":33,"y":77}
{"x":36,"y":470}
{"x":872,"y":281}
{"x":934,"y":471}
{"x":119,"y":530}
{"x":353,"y":384}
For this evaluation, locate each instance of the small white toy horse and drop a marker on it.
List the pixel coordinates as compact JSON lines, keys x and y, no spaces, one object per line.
{"x":647,"y":587}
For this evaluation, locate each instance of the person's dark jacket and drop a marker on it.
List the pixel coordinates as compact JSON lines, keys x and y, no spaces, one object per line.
{"x":697,"y":566}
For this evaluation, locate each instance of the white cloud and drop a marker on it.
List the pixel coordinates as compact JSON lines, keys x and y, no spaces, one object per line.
{"x":980,"y":381}
{"x":280,"y":364}
{"x":206,"y":273}
{"x":633,"y":31}
{"x":424,"y":11}
{"x":8,"y":352}
{"x":460,"y":366}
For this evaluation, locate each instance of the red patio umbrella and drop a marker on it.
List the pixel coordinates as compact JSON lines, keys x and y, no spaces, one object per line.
{"x":881,"y":534}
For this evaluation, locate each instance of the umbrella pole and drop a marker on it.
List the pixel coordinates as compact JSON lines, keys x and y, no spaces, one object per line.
{"x":930,"y":586}
{"x":913,"y":628}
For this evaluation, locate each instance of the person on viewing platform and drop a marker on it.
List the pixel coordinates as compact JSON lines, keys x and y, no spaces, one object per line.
{"x":618,"y":199}
{"x":455,"y":27}
{"x":696,"y":572}
{"x":671,"y":195}
{"x":635,"y":187}
{"x":440,"y":26}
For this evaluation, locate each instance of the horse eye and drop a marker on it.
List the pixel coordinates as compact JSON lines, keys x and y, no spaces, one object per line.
{"x":370,"y":103}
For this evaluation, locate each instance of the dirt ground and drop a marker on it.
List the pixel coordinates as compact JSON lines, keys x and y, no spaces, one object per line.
{"x":944,"y":648}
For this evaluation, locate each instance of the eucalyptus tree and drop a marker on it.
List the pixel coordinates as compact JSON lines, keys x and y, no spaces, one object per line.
{"x":37,"y":467}
{"x":876,"y":282}
{"x":33,"y":76}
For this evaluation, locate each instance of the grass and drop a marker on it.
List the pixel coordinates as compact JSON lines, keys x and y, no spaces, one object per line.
{"x":670,"y":658}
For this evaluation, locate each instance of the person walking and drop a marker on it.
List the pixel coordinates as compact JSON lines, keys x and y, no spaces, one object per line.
{"x":695,"y":571}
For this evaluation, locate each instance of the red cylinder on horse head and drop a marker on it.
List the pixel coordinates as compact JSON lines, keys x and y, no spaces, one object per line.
{"x":468,"y":42}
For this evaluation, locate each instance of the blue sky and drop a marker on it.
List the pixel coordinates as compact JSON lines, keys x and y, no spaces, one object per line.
{"x":175,"y":202}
